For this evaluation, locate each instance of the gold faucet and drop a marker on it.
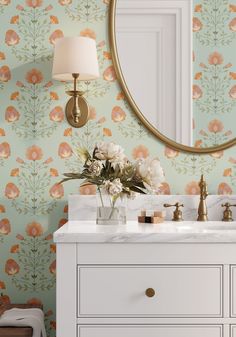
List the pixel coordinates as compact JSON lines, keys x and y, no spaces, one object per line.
{"x":202,"y":208}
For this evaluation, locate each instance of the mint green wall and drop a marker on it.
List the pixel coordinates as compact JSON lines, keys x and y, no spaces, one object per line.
{"x":36,"y":143}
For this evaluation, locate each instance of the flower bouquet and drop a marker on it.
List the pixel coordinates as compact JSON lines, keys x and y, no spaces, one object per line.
{"x":116,"y":178}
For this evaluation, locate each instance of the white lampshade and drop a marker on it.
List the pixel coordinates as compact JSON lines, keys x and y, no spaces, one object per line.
{"x":75,"y":55}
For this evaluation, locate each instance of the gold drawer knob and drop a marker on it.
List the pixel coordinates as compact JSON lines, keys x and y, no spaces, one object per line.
{"x":150,"y":292}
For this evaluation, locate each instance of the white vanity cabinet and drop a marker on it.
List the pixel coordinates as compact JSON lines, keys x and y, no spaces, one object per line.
{"x":143,"y":281}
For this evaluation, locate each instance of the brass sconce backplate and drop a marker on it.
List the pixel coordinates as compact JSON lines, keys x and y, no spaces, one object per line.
{"x":84,"y":110}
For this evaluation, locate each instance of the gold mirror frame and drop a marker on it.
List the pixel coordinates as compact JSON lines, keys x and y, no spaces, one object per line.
{"x":120,"y":77}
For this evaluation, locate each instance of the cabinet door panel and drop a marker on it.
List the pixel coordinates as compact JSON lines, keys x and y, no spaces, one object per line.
{"x":180,"y":291}
{"x":150,"y":331}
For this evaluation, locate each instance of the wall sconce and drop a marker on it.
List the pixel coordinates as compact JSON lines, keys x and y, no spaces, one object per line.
{"x":75,"y":59}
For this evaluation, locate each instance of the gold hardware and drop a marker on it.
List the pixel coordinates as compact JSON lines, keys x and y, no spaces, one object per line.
{"x":202,"y":208}
{"x":150,"y":292}
{"x":77,"y":109}
{"x":177,"y":215}
{"x":227,"y":215}
{"x":115,"y":60}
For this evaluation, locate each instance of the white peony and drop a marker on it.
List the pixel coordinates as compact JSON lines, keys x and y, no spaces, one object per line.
{"x":151,"y":172}
{"x":95,"y":167}
{"x":110,"y":151}
{"x":114,"y":187}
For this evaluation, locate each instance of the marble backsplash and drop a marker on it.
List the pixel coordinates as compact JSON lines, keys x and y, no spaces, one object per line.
{"x":84,"y":207}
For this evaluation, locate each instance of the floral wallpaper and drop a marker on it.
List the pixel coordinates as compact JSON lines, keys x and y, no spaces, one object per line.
{"x":37,"y":145}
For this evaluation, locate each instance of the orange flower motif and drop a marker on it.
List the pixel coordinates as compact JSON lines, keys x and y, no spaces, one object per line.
{"x":4,"y":299}
{"x":19,"y":160}
{"x":192,"y":188}
{"x":215,"y":59}
{"x":34,"y":153}
{"x":56,"y":191}
{"x":64,"y":151}
{"x":12,"y":38}
{"x":118,"y":114}
{"x":215,"y":126}
{"x":48,"y":8}
{"x":11,"y":114}
{"x":120,"y":96}
{"x":34,"y":229}
{"x":54,"y":19}
{"x":88,"y":190}
{"x":232,"y":75}
{"x":15,"y":172}
{"x":34,"y":301}
{"x":65,"y":2}
{"x":48,"y":161}
{"x":88,"y":33}
{"x":232,"y":92}
{"x":49,"y":237}
{"x":12,"y":191}
{"x":197,"y":25}
{"x":34,"y":76}
{"x":57,"y":114}
{"x":5,"y":150}
{"x":53,"y":248}
{"x":20,"y":84}
{"x":68,"y":132}
{"x":197,"y":92}
{"x":4,"y":2}
{"x":62,"y":222}
{"x":2,"y":209}
{"x":5,"y":226}
{"x":198,"y":76}
{"x":107,"y":55}
{"x":53,"y":172}
{"x":52,"y":267}
{"x":107,"y":132}
{"x":228,"y":172}
{"x":2,"y":56}
{"x":20,"y":237}
{"x":232,"y":25}
{"x":34,"y":3}
{"x":57,"y":34}
{"x":102,"y":120}
{"x":2,"y":132}
{"x":92,"y":113}
{"x":54,"y":96}
{"x":232,"y":160}
{"x":15,"y":19}
{"x":198,"y":143}
{"x":2,"y":285}
{"x":53,"y":325}
{"x":224,"y":189}
{"x":170,"y":153}
{"x":164,"y":189}
{"x":198,"y":9}
{"x":15,"y":95}
{"x":66,"y":209}
{"x":109,"y":74}
{"x":11,"y":267}
{"x":217,"y":155}
{"x":48,"y":84}
{"x":232,"y":8}
{"x":15,"y":249}
{"x":5,"y":74}
{"x":19,"y":8}
{"x":140,"y":152}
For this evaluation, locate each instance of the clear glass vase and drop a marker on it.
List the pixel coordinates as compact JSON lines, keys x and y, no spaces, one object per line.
{"x":110,"y":213}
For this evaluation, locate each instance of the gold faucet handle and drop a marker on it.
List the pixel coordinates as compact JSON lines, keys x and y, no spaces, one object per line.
{"x":177,"y":215}
{"x":227,"y":215}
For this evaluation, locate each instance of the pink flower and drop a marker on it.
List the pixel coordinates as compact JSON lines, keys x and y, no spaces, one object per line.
{"x":34,"y":229}
{"x":197,"y":92}
{"x":170,"y":153}
{"x":57,"y":34}
{"x":197,"y":25}
{"x":57,"y":114}
{"x":224,"y":189}
{"x":64,"y":151}
{"x":215,"y":126}
{"x":12,"y":191}
{"x":56,"y":191}
{"x":5,"y":227}
{"x":5,"y":150}
{"x":232,"y":92}
{"x":109,"y":74}
{"x":34,"y":153}
{"x":52,"y":267}
{"x":192,"y":188}
{"x":34,"y":3}
{"x":118,"y":114}
{"x":140,"y":152}
{"x":34,"y":76}
{"x":5,"y":74}
{"x":12,"y":267}
{"x":215,"y":59}
{"x":12,"y":38}
{"x":11,"y":114}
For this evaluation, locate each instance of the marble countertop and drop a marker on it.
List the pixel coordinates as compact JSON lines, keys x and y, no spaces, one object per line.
{"x":133,"y":232}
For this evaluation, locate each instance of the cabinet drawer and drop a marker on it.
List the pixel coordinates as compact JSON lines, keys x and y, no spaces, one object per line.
{"x":180,"y":291}
{"x":151,"y":331}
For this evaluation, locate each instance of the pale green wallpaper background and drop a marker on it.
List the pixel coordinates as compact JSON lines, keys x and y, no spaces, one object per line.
{"x":36,"y":143}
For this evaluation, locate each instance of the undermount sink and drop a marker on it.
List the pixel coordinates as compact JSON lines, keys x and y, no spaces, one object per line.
{"x":206,"y":226}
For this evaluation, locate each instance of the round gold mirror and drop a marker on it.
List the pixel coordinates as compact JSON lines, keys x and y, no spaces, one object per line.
{"x":151,"y":48}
